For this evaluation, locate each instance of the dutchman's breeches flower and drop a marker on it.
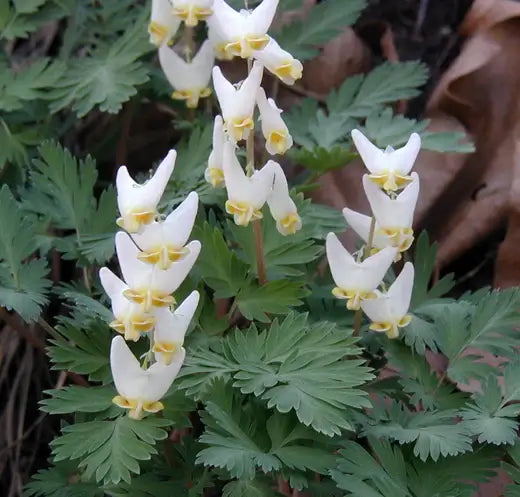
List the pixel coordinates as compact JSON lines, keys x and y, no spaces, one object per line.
{"x":356,"y":281}
{"x":214,"y":173}
{"x":246,"y":194}
{"x":130,"y":319}
{"x":189,"y":79}
{"x":138,"y":203}
{"x":163,"y":24}
{"x":140,"y":390}
{"x":171,"y":327}
{"x":163,"y":243}
{"x":149,"y":285}
{"x":388,"y":311}
{"x":277,"y":137}
{"x":282,"y":207}
{"x":389,"y":168}
{"x":238,"y":104}
{"x":394,"y":216}
{"x":192,"y":11}
{"x":245,"y":32}
{"x":280,"y":63}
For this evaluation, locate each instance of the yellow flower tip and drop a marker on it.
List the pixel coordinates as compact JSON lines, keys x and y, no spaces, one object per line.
{"x":290,"y":224}
{"x":288,"y":72}
{"x":239,"y":128}
{"x":390,"y":181}
{"x":133,"y":221}
{"x":167,"y":350}
{"x":149,"y":298}
{"x":215,"y":177}
{"x":353,"y":297}
{"x":158,"y":32}
{"x":192,"y":15}
{"x":277,"y":140}
{"x":255,"y":43}
{"x":242,"y":212}
{"x":124,"y":403}
{"x":404,"y":321}
{"x":222,"y":53}
{"x":136,"y":407}
{"x":153,"y":407}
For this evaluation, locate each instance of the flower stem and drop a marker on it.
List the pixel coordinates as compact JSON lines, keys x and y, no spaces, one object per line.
{"x":259,"y":245}
{"x":366,"y":253}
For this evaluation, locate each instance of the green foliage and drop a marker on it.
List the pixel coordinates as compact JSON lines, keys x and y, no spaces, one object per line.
{"x":294,"y":365}
{"x":61,"y":480}
{"x":300,"y":37}
{"x":23,"y":286}
{"x":110,"y":451}
{"x":77,"y":399}
{"x":63,"y":193}
{"x":435,"y":433}
{"x":83,"y":350}
{"x":242,"y":437}
{"x":389,"y":472}
{"x":106,"y":78}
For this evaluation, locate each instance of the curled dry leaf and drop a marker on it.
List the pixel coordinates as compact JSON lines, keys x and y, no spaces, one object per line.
{"x":482,"y":90}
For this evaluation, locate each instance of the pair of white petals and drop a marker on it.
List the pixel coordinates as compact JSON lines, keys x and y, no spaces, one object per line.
{"x":248,"y":194}
{"x":357,"y":282}
{"x":167,"y":15}
{"x":238,"y":106}
{"x":393,"y":215}
{"x":140,"y":390}
{"x":389,"y":168}
{"x":190,"y":80}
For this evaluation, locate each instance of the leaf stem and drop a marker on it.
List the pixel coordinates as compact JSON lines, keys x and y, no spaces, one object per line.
{"x":366,"y":253}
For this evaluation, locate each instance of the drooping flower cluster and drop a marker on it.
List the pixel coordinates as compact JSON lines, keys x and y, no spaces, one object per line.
{"x":230,"y":33}
{"x":244,"y":34}
{"x":154,"y":258}
{"x":392,"y":193}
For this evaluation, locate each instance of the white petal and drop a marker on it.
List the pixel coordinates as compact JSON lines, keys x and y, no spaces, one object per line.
{"x":269,"y":115}
{"x":161,"y":376}
{"x":114,"y":288}
{"x":262,"y":182}
{"x":132,"y":195}
{"x":130,"y":380}
{"x":137,"y":274}
{"x":172,"y":326}
{"x":392,"y":213}
{"x":280,"y":202}
{"x":342,"y":264}
{"x":401,"y":290}
{"x":202,"y":65}
{"x":403,"y":159}
{"x":174,"y":230}
{"x":216,"y":156}
{"x":226,"y":23}
{"x":374,"y":268}
{"x":260,"y":19}
{"x":246,"y":95}
{"x":226,"y":93}
{"x":175,"y":68}
{"x":168,"y":280}
{"x":372,"y":157}
{"x":238,"y":185}
{"x":162,"y":17}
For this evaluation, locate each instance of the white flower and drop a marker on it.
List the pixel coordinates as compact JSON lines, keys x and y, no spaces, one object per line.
{"x":388,"y":168}
{"x":238,"y":104}
{"x":148,"y":285}
{"x":130,"y":318}
{"x":219,"y":42}
{"x":189,"y":79}
{"x":242,"y":33}
{"x":388,"y":311}
{"x":279,"y":62}
{"x":281,"y":205}
{"x":140,"y":389}
{"x":171,"y":327}
{"x":162,"y":243}
{"x":192,"y":11}
{"x":276,"y":134}
{"x":138,"y":203}
{"x":356,"y":281}
{"x":394,"y":216}
{"x":214,"y":173}
{"x":163,"y":24}
{"x":361,"y":223}
{"x":246,"y":194}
